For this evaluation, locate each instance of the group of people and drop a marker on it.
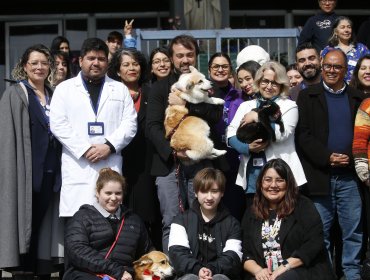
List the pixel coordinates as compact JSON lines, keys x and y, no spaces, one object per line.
{"x":89,"y":175}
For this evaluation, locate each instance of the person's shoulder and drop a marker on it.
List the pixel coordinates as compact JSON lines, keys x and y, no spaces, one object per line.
{"x":85,"y":210}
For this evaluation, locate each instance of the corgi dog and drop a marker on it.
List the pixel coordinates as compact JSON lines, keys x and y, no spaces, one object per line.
{"x":190,"y":133}
{"x":153,"y":266}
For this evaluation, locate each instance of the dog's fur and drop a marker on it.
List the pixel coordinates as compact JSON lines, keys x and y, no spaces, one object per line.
{"x":191,"y":134}
{"x":154,"y":265}
{"x":268,"y":112}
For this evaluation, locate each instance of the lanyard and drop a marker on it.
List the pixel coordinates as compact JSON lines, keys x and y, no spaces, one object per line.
{"x":95,"y":109}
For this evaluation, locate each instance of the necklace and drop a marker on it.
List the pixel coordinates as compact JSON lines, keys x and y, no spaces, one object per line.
{"x":135,"y":94}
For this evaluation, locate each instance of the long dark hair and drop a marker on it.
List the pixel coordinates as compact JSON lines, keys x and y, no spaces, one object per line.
{"x":116,"y":60}
{"x":355,"y":81}
{"x":288,"y":203}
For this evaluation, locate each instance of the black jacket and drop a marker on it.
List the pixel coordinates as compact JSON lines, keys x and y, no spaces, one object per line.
{"x":225,"y":230}
{"x":89,"y":236}
{"x":301,"y":236}
{"x":312,"y":134}
{"x":162,"y":160}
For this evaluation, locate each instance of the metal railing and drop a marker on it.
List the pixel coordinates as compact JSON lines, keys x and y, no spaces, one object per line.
{"x":279,"y":43}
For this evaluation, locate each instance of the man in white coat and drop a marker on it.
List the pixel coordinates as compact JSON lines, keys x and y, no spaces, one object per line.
{"x":94,"y":118}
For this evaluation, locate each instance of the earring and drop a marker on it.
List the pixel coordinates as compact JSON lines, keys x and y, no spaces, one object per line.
{"x":118,"y":74}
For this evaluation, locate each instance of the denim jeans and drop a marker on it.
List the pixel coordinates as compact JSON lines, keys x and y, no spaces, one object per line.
{"x":345,"y":201}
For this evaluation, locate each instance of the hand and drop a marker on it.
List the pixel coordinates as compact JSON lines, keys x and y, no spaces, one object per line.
{"x":181,"y":155}
{"x":126,"y":276}
{"x":175,"y":99}
{"x":97,"y":152}
{"x":263,"y":274}
{"x":339,"y":160}
{"x":205,"y":274}
{"x":257,"y":145}
{"x":127,"y":29}
{"x":250,"y":117}
{"x":280,"y":270}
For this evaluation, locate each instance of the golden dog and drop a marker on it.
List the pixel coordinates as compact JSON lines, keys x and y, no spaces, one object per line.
{"x":189,"y":133}
{"x":153,"y":266}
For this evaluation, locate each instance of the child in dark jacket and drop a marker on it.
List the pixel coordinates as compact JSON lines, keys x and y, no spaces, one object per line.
{"x":205,"y":241}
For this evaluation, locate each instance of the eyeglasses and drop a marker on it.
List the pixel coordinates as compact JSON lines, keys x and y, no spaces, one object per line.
{"x":270,"y":180}
{"x":215,"y":67}
{"x":35,"y":64}
{"x":266,"y":82}
{"x":159,"y":61}
{"x":336,"y":67}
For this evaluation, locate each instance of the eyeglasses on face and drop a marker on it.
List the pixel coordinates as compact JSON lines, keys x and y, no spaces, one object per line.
{"x":327,"y":1}
{"x":159,"y":61}
{"x":215,"y":67}
{"x":266,"y":82}
{"x":35,"y":64}
{"x":336,"y":67}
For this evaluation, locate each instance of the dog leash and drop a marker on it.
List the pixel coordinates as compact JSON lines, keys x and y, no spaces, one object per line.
{"x":177,"y":174}
{"x":169,"y":136}
{"x":106,"y":276}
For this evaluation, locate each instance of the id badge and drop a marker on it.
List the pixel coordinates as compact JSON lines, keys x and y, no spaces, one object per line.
{"x":95,"y":128}
{"x":258,"y":162}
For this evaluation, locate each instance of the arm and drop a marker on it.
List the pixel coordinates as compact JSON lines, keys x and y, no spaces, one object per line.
{"x":229,"y":262}
{"x":129,"y":41}
{"x":290,"y":120}
{"x":127,"y":128}
{"x":157,"y":104}
{"x":179,"y":249}
{"x":361,"y":141}
{"x":61,"y":126}
{"x":309,"y":145}
{"x":84,"y":257}
{"x":306,"y":32}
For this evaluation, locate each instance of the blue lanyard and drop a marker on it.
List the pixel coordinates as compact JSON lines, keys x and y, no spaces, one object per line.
{"x":95,"y":109}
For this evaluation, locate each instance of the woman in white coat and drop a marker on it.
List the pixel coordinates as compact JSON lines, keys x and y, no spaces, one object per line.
{"x":94,"y":118}
{"x":273,"y":84}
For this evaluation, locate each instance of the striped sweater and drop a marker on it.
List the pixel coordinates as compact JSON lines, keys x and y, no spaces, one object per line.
{"x":361,"y":147}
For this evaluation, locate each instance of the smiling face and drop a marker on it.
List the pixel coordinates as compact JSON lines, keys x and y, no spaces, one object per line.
{"x":130,"y":70}
{"x":273,"y":187}
{"x":308,"y":64}
{"x":61,"y":68}
{"x":219,"y":71}
{"x":110,"y":196}
{"x":334,"y":69}
{"x":294,"y":77}
{"x":344,"y":31}
{"x":37,"y":68}
{"x":245,"y":80}
{"x":182,"y":58}
{"x":364,"y":74}
{"x":161,"y":65}
{"x":268,"y":86}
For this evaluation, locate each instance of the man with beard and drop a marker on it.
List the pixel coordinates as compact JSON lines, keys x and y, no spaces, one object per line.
{"x":308,"y":65}
{"x":173,"y":179}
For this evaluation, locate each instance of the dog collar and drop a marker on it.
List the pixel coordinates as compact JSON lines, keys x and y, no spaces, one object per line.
{"x":176,"y":127}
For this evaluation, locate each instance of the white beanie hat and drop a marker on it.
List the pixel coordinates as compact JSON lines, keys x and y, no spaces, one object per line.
{"x":252,"y":52}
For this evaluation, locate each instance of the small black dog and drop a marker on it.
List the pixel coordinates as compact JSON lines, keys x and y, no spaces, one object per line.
{"x":268,"y":112}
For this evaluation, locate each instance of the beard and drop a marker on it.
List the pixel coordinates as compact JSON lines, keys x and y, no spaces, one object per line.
{"x":310,"y":73}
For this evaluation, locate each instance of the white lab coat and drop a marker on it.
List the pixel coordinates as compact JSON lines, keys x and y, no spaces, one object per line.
{"x":70,"y":113}
{"x":283,"y":148}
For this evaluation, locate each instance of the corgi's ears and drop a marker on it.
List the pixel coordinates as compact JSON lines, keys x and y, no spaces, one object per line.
{"x":144,"y":260}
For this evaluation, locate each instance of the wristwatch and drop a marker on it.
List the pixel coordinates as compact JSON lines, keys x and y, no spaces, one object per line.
{"x":286,"y":264}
